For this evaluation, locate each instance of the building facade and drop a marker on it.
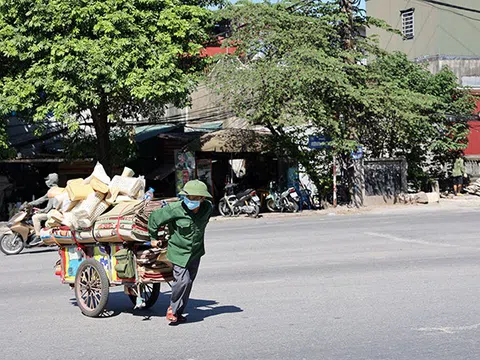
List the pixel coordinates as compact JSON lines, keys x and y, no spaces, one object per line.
{"x":440,"y":33}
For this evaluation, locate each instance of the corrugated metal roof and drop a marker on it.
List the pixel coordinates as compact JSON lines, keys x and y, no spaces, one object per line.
{"x":206,"y":127}
{"x":146,"y":132}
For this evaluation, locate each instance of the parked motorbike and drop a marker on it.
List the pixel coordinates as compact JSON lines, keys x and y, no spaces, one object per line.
{"x":21,"y":233}
{"x":282,"y":201}
{"x":244,"y":202}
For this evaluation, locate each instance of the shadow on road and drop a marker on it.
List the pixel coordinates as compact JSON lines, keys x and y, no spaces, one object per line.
{"x":197,"y":309}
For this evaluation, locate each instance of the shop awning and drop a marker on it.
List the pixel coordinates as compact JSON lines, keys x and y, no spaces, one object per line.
{"x":146,"y":132}
{"x":234,"y":141}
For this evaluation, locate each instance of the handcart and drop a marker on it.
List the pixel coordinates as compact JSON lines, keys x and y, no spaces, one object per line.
{"x":90,"y":270}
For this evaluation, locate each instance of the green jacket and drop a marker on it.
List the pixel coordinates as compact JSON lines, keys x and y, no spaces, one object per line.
{"x":458,"y":167}
{"x":187,"y":230}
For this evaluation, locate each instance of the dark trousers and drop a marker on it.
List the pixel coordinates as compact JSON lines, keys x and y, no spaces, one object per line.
{"x":183,"y":278}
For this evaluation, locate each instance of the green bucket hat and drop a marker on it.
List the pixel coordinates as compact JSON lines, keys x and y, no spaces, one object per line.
{"x":195,"y":188}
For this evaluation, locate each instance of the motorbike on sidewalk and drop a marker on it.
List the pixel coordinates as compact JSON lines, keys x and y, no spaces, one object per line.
{"x":282,"y":201}
{"x":244,"y":202}
{"x":20,"y":233}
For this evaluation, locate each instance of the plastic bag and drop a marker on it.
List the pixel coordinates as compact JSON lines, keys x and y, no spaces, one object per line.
{"x":100,"y":173}
{"x":127,"y":185}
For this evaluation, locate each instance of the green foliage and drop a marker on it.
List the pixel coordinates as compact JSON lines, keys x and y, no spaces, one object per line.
{"x":108,"y":59}
{"x":300,"y":70}
{"x":6,"y":151}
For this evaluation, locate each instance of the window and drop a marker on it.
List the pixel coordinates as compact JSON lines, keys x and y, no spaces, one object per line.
{"x":408,"y":24}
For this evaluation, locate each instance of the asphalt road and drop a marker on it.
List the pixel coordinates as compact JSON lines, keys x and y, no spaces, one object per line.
{"x":399,"y":285}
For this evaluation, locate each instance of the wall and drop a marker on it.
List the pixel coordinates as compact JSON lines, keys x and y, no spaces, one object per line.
{"x":473,"y":139}
{"x":425,"y":41}
{"x":438,"y":29}
{"x":385,"y":180}
{"x":458,"y":30}
{"x":467,"y":69}
{"x":207,"y":106}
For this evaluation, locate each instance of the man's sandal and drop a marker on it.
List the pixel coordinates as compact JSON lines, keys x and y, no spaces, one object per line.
{"x":171,"y":316}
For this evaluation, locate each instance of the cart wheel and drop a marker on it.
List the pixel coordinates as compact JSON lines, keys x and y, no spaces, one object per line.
{"x":150,"y":293}
{"x":91,"y":288}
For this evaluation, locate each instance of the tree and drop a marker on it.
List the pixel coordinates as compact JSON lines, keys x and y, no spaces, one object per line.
{"x":98,"y":61}
{"x":432,"y":132}
{"x":300,"y":69}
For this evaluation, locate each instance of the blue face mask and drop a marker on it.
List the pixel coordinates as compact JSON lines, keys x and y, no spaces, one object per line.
{"x":191,"y":204}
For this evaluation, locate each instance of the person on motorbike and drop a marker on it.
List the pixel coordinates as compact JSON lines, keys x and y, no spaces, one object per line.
{"x":187,"y":220}
{"x":41,"y":215}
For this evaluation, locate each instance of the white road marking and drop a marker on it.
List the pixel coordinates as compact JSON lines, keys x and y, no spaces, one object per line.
{"x":449,"y":329}
{"x":412,"y":241}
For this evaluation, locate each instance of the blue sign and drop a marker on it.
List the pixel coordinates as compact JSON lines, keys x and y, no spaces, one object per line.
{"x":318,"y":142}
{"x":357,"y":154}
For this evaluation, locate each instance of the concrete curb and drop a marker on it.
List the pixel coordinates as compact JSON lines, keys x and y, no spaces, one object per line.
{"x":443,"y":204}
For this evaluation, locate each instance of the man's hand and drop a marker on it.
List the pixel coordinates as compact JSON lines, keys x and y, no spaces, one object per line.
{"x":156,"y":243}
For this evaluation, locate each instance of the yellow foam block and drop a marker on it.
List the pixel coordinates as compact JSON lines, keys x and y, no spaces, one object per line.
{"x":78,"y":191}
{"x":99,"y":186}
{"x":72,"y":181}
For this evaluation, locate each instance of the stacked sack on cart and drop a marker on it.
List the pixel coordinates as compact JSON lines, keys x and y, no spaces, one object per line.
{"x":126,"y":222}
{"x":100,"y":209}
{"x":153,"y":266}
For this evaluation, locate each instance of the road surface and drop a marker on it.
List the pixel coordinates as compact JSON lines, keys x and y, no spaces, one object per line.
{"x":399,"y":285}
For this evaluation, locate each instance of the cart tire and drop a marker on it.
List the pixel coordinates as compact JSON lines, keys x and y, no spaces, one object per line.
{"x":91,"y":288}
{"x":150,"y":293}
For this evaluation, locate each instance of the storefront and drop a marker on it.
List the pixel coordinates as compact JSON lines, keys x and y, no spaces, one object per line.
{"x":229,"y":156}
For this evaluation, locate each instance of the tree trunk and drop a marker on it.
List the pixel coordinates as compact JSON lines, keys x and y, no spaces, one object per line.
{"x":102,"y":131}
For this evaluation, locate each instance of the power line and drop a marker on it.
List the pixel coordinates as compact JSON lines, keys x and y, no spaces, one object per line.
{"x":458,"y":40}
{"x":458,"y":7}
{"x":423,"y":26}
{"x":451,"y":11}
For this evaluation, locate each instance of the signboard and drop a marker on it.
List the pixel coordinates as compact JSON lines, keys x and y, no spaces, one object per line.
{"x":358,"y":153}
{"x":184,"y":168}
{"x":204,"y":173}
{"x":318,"y":142}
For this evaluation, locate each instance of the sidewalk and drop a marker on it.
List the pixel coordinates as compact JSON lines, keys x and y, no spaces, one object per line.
{"x":467,"y":201}
{"x":459,"y":202}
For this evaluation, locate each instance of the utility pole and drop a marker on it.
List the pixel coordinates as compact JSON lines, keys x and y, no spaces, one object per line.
{"x":334,"y":180}
{"x":355,"y":180}
{"x":348,"y":27}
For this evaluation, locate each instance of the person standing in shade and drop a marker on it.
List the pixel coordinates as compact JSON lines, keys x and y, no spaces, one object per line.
{"x":458,"y":173}
{"x":186,"y":220}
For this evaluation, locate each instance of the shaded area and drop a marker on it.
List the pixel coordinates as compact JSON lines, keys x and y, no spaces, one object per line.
{"x":197,"y":309}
